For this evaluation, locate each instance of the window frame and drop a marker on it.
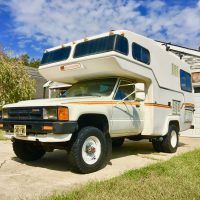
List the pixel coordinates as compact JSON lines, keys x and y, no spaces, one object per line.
{"x":69,"y":47}
{"x":135,"y":43}
{"x":104,"y":51}
{"x":185,"y":89}
{"x":118,"y":85}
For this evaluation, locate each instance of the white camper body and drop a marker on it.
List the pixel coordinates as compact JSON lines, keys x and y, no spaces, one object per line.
{"x":124,"y":85}
{"x":165,"y":100}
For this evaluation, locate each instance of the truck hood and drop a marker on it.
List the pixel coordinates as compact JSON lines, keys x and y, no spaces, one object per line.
{"x":55,"y":101}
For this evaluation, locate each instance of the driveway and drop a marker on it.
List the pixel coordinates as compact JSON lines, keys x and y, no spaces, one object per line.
{"x":51,"y":174}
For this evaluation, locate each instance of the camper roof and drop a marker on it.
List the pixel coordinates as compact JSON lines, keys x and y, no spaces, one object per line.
{"x":116,"y":53}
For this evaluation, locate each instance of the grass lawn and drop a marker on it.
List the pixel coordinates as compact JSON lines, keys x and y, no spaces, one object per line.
{"x":1,"y":136}
{"x":178,"y":178}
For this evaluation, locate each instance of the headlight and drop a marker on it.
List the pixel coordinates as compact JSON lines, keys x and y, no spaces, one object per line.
{"x":56,"y":113}
{"x":50,"y":113}
{"x":4,"y":113}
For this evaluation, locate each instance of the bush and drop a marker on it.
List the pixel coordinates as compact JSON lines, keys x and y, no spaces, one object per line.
{"x":15,"y":83}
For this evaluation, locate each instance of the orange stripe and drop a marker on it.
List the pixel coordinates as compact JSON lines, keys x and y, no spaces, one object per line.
{"x":127,"y":102}
{"x":103,"y":102}
{"x":157,"y":105}
{"x":118,"y":102}
{"x":187,"y":105}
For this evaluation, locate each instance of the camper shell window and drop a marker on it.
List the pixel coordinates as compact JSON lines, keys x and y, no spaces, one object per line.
{"x":116,"y":43}
{"x":186,"y":83}
{"x":56,"y":55}
{"x":196,"y":89}
{"x":140,"y":53}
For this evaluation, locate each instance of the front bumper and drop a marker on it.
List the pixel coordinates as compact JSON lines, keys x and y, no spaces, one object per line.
{"x":61,"y":132}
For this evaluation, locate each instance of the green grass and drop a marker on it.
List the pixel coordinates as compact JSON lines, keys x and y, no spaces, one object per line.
{"x":178,"y":178}
{"x":1,"y":136}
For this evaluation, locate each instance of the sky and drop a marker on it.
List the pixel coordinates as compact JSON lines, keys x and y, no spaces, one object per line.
{"x":31,"y":26}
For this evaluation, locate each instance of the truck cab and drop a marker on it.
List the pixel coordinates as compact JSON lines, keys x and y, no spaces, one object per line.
{"x":118,"y":91}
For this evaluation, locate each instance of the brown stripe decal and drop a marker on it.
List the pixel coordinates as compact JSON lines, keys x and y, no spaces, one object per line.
{"x":103,"y":102}
{"x":157,"y":105}
{"x":187,"y":105}
{"x":118,"y":102}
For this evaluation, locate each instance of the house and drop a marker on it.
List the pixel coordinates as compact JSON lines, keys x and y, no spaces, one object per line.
{"x":39,"y":80}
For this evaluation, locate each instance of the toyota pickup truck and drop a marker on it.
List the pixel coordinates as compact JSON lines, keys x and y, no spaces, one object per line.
{"x":123,"y":86}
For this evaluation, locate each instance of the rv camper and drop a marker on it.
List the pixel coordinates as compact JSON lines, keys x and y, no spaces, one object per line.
{"x":124,"y":85}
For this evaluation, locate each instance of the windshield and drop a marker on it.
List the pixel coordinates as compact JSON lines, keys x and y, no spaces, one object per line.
{"x":58,"y":92}
{"x":97,"y":87}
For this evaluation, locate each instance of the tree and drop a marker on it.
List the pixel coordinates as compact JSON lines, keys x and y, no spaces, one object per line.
{"x":15,"y":83}
{"x":24,"y":58}
{"x":34,"y":63}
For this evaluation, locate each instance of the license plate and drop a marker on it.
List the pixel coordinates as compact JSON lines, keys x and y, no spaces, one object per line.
{"x":20,"y":130}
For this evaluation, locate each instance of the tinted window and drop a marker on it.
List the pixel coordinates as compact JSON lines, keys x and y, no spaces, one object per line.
{"x":140,"y":53}
{"x":197,"y":90}
{"x":56,"y":55}
{"x":110,"y":43}
{"x":125,"y":88}
{"x":186,"y":83}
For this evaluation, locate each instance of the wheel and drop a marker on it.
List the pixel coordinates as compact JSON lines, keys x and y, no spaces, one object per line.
{"x":89,"y":152}
{"x":157,"y":145}
{"x":171,"y":140}
{"x":117,"y":142}
{"x":27,"y":151}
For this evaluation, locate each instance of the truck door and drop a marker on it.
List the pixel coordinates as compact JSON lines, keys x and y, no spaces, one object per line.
{"x":126,"y":114}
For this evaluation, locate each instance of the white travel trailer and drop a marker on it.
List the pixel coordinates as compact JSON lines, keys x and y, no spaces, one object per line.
{"x":124,"y":85}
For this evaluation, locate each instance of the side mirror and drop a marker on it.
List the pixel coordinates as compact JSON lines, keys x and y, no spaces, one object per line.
{"x":139,"y":96}
{"x":139,"y":87}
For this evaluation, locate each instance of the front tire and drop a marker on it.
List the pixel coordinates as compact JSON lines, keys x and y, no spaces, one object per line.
{"x":89,"y":151}
{"x":171,"y":140}
{"x":27,"y":151}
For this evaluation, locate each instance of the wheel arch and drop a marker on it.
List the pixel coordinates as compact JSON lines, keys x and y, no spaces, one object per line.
{"x":175,"y":123}
{"x":99,"y":121}
{"x":172,"y":120}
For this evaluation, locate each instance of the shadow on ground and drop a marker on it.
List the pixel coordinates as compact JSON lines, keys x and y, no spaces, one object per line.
{"x":58,"y":160}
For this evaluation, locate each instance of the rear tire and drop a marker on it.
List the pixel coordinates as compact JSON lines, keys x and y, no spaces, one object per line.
{"x":117,"y":142}
{"x":27,"y":151}
{"x":89,"y":151}
{"x":171,"y":140}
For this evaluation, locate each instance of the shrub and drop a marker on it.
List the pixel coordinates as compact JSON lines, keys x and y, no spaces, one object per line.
{"x":15,"y":83}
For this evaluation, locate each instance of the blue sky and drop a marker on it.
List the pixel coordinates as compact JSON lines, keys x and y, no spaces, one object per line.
{"x":30,"y":26}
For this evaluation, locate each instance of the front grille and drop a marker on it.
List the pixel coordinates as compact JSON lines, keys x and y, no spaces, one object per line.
{"x":31,"y":113}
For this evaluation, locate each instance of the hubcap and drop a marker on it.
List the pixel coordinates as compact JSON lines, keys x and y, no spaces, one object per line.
{"x":91,"y":150}
{"x":174,"y":139}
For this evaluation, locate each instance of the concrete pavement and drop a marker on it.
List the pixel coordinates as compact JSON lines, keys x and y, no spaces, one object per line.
{"x":19,"y":180}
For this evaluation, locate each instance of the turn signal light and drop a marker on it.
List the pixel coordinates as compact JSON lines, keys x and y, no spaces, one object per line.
{"x":1,"y":125}
{"x":63,"y":113}
{"x":47,"y":128}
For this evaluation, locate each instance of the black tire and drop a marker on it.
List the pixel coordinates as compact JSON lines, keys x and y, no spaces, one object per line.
{"x":117,"y":142}
{"x":167,"y":140}
{"x":157,"y":145}
{"x":75,"y":153}
{"x":27,"y":151}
